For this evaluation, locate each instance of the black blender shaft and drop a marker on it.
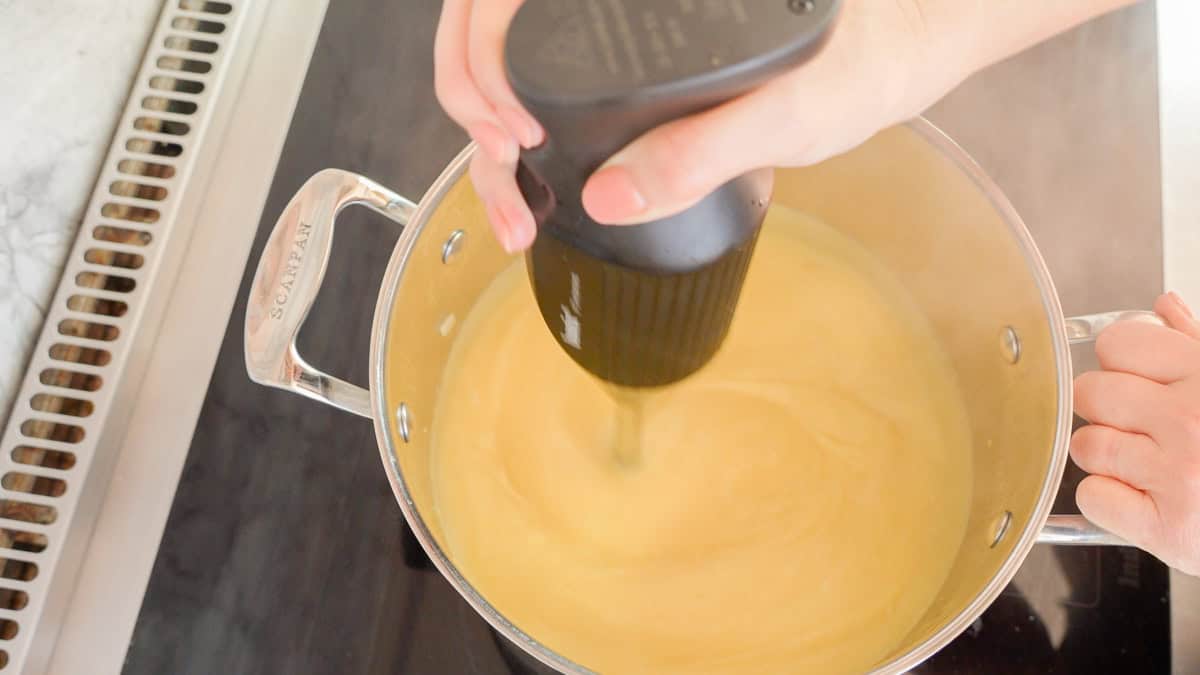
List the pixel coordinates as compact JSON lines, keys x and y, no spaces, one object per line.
{"x":643,"y":305}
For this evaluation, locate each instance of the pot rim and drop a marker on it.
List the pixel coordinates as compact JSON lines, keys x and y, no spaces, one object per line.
{"x":385,"y":432}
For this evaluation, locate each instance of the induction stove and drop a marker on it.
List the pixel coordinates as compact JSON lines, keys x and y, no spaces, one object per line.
{"x":285,"y":550}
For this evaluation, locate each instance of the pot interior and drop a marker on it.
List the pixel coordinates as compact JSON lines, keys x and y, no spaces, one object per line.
{"x":913,"y":200}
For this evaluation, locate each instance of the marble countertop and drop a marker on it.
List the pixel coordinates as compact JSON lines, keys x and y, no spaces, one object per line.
{"x":66,"y":68}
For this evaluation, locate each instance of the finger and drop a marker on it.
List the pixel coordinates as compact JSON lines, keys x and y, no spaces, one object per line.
{"x":1177,"y":314}
{"x":500,"y":148}
{"x":510,"y":217}
{"x":1134,"y":459}
{"x":804,"y":116}
{"x":675,"y":165}
{"x":1126,"y":512}
{"x":485,"y":57}
{"x":1126,"y":402}
{"x":1159,"y":353}
{"x":457,"y":91}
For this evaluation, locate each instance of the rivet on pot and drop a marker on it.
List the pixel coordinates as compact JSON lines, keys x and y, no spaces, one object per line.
{"x":1011,"y":344}
{"x":402,"y":420}
{"x":453,"y":246}
{"x":1001,"y":528}
{"x":802,"y":6}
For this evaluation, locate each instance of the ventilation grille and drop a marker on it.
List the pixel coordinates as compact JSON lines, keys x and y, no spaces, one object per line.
{"x":51,"y":456}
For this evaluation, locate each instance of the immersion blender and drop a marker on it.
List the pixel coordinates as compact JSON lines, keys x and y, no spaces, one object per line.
{"x":643,"y":305}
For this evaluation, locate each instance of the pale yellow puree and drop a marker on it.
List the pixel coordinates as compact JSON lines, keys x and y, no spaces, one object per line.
{"x":794,"y":508}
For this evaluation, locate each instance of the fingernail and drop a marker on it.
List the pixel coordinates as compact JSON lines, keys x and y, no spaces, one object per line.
{"x":500,"y":226}
{"x":498,"y":145}
{"x":528,"y":132}
{"x":611,"y":196}
{"x":521,"y":228}
{"x":1180,"y":303}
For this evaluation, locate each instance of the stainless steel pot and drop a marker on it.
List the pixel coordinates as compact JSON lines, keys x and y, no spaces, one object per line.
{"x":909,"y":194}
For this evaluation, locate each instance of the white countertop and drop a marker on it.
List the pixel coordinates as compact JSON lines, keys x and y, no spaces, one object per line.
{"x":65,"y":68}
{"x":1179,"y":124}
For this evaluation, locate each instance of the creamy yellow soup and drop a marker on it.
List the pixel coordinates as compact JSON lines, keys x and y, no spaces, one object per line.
{"x":793,"y":507}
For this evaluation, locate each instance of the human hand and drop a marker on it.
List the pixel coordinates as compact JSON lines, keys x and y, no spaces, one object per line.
{"x":884,"y":63}
{"x":473,"y":89}
{"x":1142,"y":445}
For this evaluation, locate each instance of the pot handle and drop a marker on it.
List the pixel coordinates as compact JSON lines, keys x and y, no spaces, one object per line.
{"x":1075,"y":530}
{"x":1085,"y":328}
{"x":289,"y":275}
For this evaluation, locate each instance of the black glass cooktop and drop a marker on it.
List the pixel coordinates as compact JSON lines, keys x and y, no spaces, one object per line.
{"x":1070,"y":610}
{"x":285,"y":551}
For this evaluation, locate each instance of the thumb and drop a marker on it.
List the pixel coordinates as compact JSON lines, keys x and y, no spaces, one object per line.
{"x":675,"y":165}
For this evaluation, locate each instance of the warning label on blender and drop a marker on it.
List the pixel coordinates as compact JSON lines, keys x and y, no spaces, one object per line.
{"x":569,"y":45}
{"x":640,"y":41}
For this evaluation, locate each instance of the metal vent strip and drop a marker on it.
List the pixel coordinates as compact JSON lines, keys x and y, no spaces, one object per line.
{"x":55,"y":464}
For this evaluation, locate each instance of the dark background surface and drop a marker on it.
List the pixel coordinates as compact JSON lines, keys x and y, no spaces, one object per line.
{"x":285,"y":551}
